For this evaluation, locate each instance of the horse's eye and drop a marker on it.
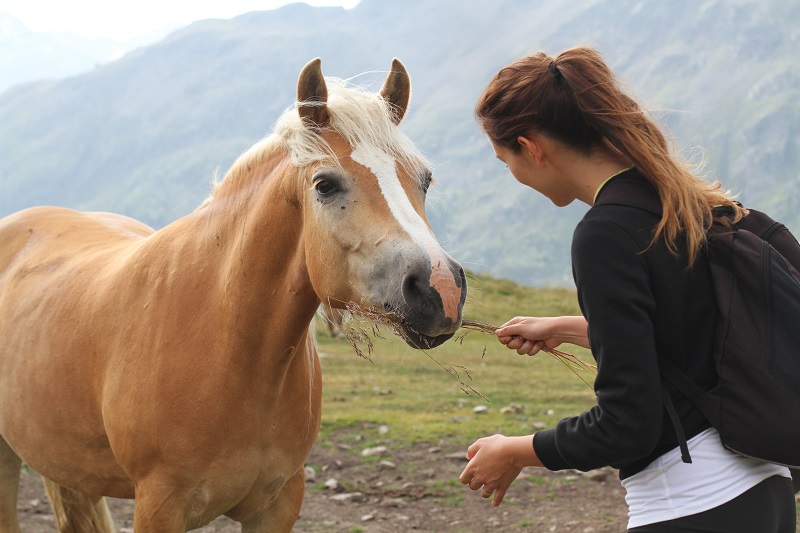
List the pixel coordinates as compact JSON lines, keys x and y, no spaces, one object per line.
{"x":427,"y":178}
{"x":325,"y":188}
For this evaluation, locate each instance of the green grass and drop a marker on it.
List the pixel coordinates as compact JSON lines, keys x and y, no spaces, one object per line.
{"x":419,"y":394}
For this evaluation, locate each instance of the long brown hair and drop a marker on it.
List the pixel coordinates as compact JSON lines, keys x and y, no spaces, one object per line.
{"x":576,"y":99}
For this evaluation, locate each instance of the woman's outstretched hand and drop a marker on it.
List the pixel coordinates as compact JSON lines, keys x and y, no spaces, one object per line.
{"x":528,"y":334}
{"x":495,"y":462}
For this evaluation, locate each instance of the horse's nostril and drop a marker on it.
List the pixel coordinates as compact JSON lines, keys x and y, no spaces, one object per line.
{"x":417,"y":297}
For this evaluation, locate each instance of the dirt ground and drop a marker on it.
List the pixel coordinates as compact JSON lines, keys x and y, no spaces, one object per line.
{"x":405,"y":489}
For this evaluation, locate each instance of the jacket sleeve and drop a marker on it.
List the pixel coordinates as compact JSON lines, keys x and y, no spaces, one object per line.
{"x":615,"y":295}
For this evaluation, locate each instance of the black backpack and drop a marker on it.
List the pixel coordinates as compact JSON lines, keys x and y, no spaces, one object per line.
{"x":754,"y":268}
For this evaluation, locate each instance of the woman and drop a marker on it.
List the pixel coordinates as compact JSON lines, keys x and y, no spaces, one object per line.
{"x":564,"y":128}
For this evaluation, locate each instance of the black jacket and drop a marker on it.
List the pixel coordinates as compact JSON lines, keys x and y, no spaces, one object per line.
{"x":642,"y":303}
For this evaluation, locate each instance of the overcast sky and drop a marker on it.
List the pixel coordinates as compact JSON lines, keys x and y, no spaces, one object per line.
{"x":123,"y":19}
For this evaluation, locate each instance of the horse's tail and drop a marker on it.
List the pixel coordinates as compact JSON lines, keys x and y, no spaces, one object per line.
{"x":77,"y":512}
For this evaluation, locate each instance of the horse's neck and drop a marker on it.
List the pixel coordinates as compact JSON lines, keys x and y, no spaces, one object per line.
{"x":245,"y":248}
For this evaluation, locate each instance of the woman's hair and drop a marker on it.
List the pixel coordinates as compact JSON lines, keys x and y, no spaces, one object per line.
{"x":575,"y":99}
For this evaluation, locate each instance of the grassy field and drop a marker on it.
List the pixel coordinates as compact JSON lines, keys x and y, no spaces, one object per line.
{"x":420,"y":395}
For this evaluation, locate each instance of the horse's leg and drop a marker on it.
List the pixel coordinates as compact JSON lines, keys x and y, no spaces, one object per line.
{"x":9,"y":486}
{"x":77,"y":512}
{"x":160,"y":508}
{"x":282,"y":513}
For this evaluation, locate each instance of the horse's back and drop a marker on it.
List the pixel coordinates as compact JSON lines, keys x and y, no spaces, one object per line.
{"x":62,"y":229}
{"x":38,"y":243}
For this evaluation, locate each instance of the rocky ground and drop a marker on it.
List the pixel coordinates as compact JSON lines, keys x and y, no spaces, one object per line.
{"x":354,"y":488}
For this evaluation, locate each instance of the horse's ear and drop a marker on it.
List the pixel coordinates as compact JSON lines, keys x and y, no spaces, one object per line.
{"x":312,"y":95}
{"x":397,"y":90}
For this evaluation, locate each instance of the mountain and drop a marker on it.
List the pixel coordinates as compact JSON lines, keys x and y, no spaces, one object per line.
{"x":27,"y":55}
{"x":145,"y":135}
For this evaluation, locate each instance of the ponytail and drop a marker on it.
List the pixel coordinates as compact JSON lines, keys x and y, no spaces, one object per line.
{"x":576,"y":99}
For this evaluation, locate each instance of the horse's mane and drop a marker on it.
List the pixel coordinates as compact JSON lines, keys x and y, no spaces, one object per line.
{"x":356,"y":114}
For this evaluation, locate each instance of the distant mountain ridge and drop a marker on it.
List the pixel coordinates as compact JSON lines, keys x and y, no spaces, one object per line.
{"x":27,"y":55}
{"x":144,"y":135}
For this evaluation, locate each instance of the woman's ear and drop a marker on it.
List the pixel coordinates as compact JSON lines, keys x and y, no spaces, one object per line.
{"x":532,"y":145}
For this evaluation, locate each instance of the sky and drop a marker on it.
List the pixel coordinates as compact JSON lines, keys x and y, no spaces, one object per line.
{"x":125,"y":19}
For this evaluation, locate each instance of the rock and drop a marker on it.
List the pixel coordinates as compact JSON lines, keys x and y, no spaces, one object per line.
{"x":383,"y":429}
{"x":311,"y":474}
{"x":511,"y":409}
{"x":347,"y":497}
{"x":368,"y":517}
{"x":457,"y":456}
{"x":480,"y":409}
{"x":377,"y":450}
{"x":332,"y":484}
{"x":394,"y":502}
{"x":550,"y":412}
{"x":434,"y":449}
{"x":539,"y":425}
{"x":387,"y":464}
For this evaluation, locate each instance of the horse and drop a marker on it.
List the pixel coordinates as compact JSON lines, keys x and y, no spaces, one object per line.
{"x":334,"y":319}
{"x":176,"y":366}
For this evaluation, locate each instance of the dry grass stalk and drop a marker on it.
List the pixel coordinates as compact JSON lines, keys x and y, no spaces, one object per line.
{"x":572,"y":362}
{"x":359,"y":334}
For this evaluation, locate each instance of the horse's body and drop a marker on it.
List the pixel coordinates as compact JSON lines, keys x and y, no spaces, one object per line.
{"x":334,"y":319}
{"x":177,"y":366}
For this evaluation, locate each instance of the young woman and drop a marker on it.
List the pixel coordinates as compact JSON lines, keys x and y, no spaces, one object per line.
{"x":564,"y":128}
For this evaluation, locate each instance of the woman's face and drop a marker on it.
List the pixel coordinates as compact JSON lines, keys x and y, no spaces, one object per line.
{"x":525,"y":169}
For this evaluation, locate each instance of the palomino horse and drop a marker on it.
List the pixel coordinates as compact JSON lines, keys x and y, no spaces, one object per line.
{"x":334,"y":319}
{"x":176,"y":366}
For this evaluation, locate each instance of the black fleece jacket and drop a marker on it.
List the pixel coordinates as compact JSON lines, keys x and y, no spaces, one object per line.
{"x":642,"y":303}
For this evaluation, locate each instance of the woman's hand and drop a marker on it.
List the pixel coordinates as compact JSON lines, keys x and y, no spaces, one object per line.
{"x":495,"y":462}
{"x":528,"y":335}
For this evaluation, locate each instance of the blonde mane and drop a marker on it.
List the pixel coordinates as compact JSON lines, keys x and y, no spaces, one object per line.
{"x":359,"y":116}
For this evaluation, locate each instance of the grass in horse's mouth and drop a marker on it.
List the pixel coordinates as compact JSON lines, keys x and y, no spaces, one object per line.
{"x":360,"y":334}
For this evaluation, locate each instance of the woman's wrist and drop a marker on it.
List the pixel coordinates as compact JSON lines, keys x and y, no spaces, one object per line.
{"x":521,"y":451}
{"x":572,"y":330}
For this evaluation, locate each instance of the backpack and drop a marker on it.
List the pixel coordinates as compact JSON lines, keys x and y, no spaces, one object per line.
{"x":755,"y":406}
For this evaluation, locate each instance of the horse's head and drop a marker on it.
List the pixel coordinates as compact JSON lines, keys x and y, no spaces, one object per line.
{"x":366,"y":236}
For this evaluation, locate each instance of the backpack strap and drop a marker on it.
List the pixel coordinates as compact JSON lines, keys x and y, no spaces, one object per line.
{"x":676,"y":423}
{"x":683,"y":383}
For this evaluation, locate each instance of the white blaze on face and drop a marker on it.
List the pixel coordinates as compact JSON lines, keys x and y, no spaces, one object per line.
{"x":383,"y":166}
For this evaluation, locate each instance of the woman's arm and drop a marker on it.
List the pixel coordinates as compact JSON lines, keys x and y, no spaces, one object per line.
{"x":528,"y":334}
{"x":495,"y":462}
